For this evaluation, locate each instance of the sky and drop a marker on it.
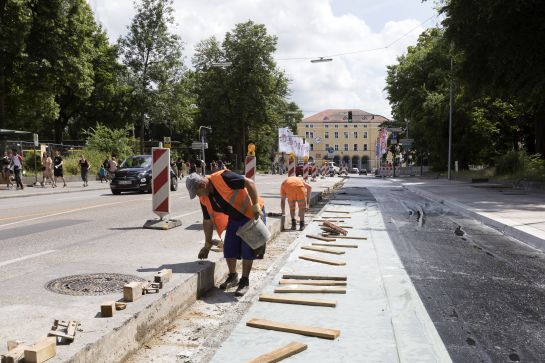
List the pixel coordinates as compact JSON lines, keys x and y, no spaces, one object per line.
{"x":306,"y":29}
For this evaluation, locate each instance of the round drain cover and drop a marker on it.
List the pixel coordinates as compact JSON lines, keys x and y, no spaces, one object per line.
{"x":91,"y":284}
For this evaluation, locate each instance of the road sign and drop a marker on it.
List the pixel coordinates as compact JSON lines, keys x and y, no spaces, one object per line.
{"x":318,"y":140}
{"x":197,"y":145}
{"x":406,"y":141}
{"x":35,"y":137}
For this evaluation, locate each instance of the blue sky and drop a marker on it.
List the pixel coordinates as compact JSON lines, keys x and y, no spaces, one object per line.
{"x":305,"y":28}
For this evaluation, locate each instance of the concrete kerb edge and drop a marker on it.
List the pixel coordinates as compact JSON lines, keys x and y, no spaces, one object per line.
{"x":140,"y":327}
{"x":521,"y":236}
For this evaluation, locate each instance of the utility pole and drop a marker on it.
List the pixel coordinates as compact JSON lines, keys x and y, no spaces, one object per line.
{"x":450,"y":125}
{"x":201,"y":133}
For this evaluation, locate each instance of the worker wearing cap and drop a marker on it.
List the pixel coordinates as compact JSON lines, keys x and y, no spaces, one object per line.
{"x":228,"y":201}
{"x":297,"y":191}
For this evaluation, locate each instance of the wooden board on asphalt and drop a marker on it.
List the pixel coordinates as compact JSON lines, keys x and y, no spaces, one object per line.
{"x":295,"y":329}
{"x":323,"y":260}
{"x":323,"y":249}
{"x":312,"y":282}
{"x":307,"y":290}
{"x":320,"y":238}
{"x":282,"y":299}
{"x":351,"y":237}
{"x":314,"y":277}
{"x":334,"y":245}
{"x":337,"y":211}
{"x":280,"y":354}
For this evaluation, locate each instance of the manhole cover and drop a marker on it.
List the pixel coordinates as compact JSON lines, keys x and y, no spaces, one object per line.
{"x":91,"y":284}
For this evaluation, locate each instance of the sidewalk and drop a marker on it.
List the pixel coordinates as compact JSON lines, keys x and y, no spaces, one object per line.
{"x":46,"y":190}
{"x":516,"y":213}
{"x":380,"y":317}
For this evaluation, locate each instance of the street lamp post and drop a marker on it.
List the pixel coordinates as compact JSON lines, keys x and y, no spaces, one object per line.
{"x":450,"y":125}
{"x":201,"y":133}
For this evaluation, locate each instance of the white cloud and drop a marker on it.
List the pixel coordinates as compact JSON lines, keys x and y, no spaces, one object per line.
{"x":305,"y":28}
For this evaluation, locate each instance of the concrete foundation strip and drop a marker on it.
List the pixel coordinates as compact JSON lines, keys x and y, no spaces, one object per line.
{"x":280,"y":354}
{"x":296,"y":329}
{"x":312,"y":282}
{"x":281,"y":299}
{"x":323,"y":250}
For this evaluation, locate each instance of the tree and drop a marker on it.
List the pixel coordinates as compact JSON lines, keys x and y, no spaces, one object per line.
{"x":109,"y":141}
{"x":501,"y":46}
{"x":245,"y":101}
{"x":153,"y":57}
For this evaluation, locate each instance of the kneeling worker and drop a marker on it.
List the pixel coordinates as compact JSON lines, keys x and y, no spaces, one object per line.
{"x":228,"y":201}
{"x":298,"y":192}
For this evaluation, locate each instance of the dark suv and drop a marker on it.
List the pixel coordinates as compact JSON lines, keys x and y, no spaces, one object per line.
{"x":134,"y":174}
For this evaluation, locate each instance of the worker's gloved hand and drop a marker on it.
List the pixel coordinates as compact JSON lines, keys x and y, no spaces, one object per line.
{"x":256,"y":210}
{"x":203,"y":253}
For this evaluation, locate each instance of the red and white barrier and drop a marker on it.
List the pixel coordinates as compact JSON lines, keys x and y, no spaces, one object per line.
{"x":324,"y":170}
{"x":314,"y":172}
{"x":161,"y":181}
{"x":249,"y":167}
{"x":291,"y":168}
{"x":305,"y":171}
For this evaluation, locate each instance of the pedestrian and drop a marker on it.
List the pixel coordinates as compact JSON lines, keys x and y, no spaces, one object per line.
{"x":199,"y":167}
{"x":6,"y":169}
{"x":17,"y":161}
{"x":106,"y":166}
{"x":102,"y":174}
{"x":84,"y":168}
{"x":180,"y":167}
{"x":112,"y":167}
{"x":192,"y":167}
{"x":221,"y":166}
{"x":174,"y":166}
{"x":58,"y":169}
{"x":228,"y":201}
{"x":47,"y":169}
{"x":297,"y":191}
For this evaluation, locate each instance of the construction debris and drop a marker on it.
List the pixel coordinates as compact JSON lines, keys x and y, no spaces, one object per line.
{"x":16,"y":352}
{"x":163,"y":276}
{"x":120,"y":305}
{"x":335,"y":228}
{"x":280,"y":354}
{"x":43,"y":350}
{"x":306,"y":290}
{"x":107,"y":309}
{"x":296,"y":300}
{"x":323,"y":260}
{"x":311,"y":282}
{"x":335,"y":245}
{"x":64,"y":330}
{"x":323,"y":249}
{"x":296,"y":329}
{"x":132,"y":291}
{"x":314,"y":277}
{"x":321,"y":238}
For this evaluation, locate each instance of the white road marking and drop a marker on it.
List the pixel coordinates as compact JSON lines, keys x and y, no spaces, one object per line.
{"x":4,"y":263}
{"x":187,"y":214}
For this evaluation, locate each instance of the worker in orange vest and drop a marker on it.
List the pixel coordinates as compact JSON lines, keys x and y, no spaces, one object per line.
{"x":297,"y":191}
{"x":228,"y":201}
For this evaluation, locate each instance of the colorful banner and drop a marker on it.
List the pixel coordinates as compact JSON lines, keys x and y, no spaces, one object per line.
{"x":290,"y":143}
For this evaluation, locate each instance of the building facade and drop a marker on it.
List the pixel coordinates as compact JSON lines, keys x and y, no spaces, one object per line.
{"x":353,"y":142}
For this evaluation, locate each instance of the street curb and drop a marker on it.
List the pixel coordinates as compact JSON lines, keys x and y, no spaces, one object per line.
{"x":126,"y":338}
{"x":523,"y":237}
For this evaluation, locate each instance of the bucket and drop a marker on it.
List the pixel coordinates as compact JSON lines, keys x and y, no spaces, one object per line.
{"x":255,"y":233}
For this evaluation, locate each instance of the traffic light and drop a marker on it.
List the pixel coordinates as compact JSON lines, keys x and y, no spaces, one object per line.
{"x":349,"y":116}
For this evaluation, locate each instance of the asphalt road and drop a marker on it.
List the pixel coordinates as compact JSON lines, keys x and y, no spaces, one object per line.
{"x":484,"y":292}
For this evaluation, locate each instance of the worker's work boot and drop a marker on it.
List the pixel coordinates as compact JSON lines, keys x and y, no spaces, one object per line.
{"x":243,"y":286}
{"x":301,"y":225}
{"x":232,"y":280}
{"x":293,"y":224}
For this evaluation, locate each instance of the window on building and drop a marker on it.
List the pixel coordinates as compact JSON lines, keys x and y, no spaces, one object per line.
{"x":307,"y":134}
{"x":336,"y":134}
{"x":326,"y":135}
{"x":311,"y":147}
{"x":346,"y":134}
{"x":336,"y":147}
{"x":355,"y":134}
{"x":312,"y":135}
{"x":326,"y":126}
{"x":365,"y":125}
{"x":345,"y":126}
{"x":336,"y":126}
{"x":318,"y":156}
{"x":311,"y":126}
{"x":345,"y":147}
{"x":326,"y":146}
{"x":365,"y":134}
{"x":355,"y":126}
{"x":355,"y":147}
{"x":306,"y":126}
{"x":364,"y":147}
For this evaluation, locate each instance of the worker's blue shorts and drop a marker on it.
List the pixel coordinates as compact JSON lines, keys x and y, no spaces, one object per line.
{"x":234,"y":246}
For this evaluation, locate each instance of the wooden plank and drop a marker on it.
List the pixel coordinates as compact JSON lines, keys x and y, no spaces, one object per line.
{"x":336,"y":217}
{"x":306,"y":290}
{"x":312,"y":282}
{"x":295,"y":329}
{"x":329,"y":220}
{"x":15,"y":355}
{"x":351,"y":237}
{"x":334,"y":245}
{"x":163,"y":276}
{"x":336,"y":228}
{"x":314,"y":277}
{"x":43,"y":350}
{"x":337,"y":211}
{"x":323,"y":225}
{"x":280,"y":354}
{"x":296,"y":300}
{"x":107,"y":309}
{"x":323,"y":260}
{"x":132,"y":291}
{"x":328,"y":239}
{"x":323,"y":250}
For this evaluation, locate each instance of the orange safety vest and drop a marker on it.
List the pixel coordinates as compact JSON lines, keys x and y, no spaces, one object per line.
{"x":237,"y":198}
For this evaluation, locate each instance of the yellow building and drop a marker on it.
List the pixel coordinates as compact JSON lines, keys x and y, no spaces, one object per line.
{"x":353,"y":142}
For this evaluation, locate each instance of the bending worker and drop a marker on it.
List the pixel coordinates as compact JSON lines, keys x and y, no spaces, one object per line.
{"x":298,"y":192}
{"x":228,"y":201}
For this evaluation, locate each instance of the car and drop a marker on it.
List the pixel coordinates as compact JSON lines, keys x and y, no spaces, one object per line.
{"x":333,"y":168}
{"x":134,"y":174}
{"x":363,"y":172}
{"x":354,"y":171}
{"x":299,"y":169}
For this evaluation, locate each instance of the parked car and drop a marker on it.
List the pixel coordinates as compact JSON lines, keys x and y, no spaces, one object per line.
{"x":354,"y":171}
{"x":333,"y":168}
{"x":363,"y":172}
{"x":134,"y":174}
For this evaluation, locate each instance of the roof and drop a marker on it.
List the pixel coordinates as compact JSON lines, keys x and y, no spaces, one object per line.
{"x":341,"y":115}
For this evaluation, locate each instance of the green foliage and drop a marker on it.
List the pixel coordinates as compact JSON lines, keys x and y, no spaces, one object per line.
{"x":109,"y":141}
{"x":520,"y":165}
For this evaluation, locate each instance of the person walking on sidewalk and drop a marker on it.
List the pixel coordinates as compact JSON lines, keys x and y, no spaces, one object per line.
{"x":84,"y":166}
{"x":297,"y":191}
{"x":112,"y":167}
{"x":6,"y":169}
{"x":58,"y":169}
{"x":47,"y":170}
{"x":17,"y":161}
{"x":228,"y":201}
